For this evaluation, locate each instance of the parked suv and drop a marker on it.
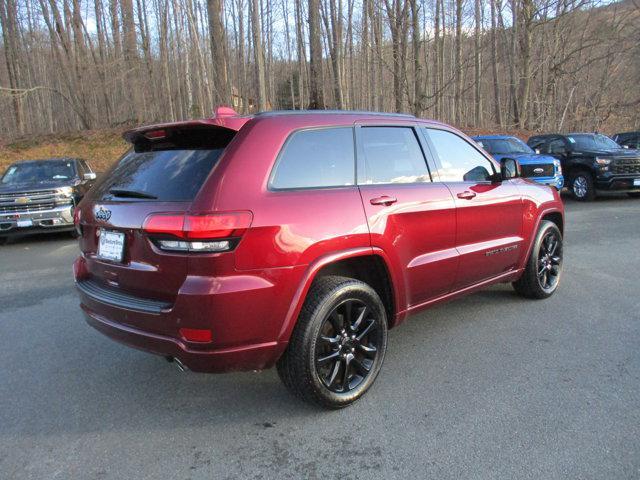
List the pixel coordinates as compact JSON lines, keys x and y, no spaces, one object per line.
{"x":538,"y":167}
{"x":40,"y":195}
{"x":299,"y":238}
{"x":592,"y":162}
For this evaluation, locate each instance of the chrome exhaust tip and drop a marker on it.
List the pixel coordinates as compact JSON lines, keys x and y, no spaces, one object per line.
{"x":178,"y":363}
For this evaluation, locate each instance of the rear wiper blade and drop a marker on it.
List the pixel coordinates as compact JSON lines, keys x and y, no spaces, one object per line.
{"x":122,"y":192}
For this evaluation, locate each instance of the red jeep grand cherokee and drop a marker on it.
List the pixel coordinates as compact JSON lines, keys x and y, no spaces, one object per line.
{"x":299,"y":238}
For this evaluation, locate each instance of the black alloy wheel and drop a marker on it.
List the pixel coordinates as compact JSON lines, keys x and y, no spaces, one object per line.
{"x":347,"y":346}
{"x":337,"y":347}
{"x":549,"y":261}
{"x":543,"y":270}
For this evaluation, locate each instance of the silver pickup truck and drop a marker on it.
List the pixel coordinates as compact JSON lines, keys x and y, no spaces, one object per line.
{"x":40,"y":195}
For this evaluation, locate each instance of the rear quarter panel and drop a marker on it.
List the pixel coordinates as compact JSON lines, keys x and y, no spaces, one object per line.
{"x":291,"y":231}
{"x":290,"y":227}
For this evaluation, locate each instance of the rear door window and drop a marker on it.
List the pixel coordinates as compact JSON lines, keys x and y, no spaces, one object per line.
{"x":315,"y":159}
{"x":391,"y":155}
{"x":171,"y":171}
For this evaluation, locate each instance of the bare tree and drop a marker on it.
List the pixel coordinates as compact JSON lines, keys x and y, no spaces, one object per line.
{"x":218,"y":38}
{"x":258,"y":55}
{"x":315,"y":49}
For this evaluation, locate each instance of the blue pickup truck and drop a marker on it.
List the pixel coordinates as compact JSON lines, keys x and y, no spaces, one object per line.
{"x":540,"y":168}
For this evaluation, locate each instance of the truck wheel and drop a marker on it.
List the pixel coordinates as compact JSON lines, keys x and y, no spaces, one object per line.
{"x":338,"y":345}
{"x":544,"y":267}
{"x":634,"y":194}
{"x":582,"y":186}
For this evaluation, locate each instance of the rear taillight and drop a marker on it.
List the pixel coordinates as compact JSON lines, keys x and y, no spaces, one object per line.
{"x":213,"y":232}
{"x":77,"y":216}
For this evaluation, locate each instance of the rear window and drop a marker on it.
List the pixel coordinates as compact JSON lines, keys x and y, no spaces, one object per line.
{"x":172,"y":171}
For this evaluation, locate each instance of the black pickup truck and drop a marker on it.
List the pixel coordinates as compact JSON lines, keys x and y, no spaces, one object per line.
{"x":592,"y":162}
{"x":40,"y":195}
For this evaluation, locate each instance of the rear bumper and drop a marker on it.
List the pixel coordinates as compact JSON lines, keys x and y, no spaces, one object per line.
{"x":245,"y":314}
{"x":249,"y":357}
{"x":18,"y":223}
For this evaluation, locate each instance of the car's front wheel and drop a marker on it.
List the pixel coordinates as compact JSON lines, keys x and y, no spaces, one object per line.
{"x":541,"y":276}
{"x":582,"y":186}
{"x":338,"y":345}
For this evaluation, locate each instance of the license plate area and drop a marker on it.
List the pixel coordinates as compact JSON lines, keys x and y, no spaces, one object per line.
{"x":25,"y":223}
{"x":111,"y":245}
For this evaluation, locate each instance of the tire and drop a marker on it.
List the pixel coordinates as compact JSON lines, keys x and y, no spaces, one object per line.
{"x":4,"y":240}
{"x":582,"y":186}
{"x":634,"y":194}
{"x":328,"y":342}
{"x":542,"y":274}
{"x":74,"y":234}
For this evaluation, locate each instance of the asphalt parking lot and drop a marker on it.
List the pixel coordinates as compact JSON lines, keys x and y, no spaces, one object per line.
{"x":490,"y":386}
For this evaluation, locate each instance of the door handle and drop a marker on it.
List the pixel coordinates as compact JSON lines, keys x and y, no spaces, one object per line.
{"x":383,"y":200}
{"x":466,"y":195}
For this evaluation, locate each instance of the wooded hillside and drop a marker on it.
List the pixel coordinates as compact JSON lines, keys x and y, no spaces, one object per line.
{"x":530,"y":64}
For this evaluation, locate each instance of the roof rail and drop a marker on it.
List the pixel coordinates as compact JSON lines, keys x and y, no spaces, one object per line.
{"x":274,"y":113}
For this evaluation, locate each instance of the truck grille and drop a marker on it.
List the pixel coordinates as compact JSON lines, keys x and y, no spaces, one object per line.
{"x":35,"y":207}
{"x":625,"y":166}
{"x":27,"y":201}
{"x":530,"y":170}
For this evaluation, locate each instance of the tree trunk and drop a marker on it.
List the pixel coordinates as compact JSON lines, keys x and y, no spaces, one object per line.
{"x":526,"y":32}
{"x":513,"y":84}
{"x":336,"y":51}
{"x":457,"y":95}
{"x":316,"y":95}
{"x":9,"y":24}
{"x":131,"y":60}
{"x":477,"y":99}
{"x":494,"y":65}
{"x":258,"y":55}
{"x":418,"y":93}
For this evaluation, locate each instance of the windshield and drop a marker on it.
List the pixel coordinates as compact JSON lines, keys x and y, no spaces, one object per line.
{"x":39,"y":172}
{"x":592,"y":142}
{"x":500,"y":146}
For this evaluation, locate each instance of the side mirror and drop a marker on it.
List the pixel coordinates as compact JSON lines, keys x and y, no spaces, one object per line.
{"x":90,"y":176}
{"x":510,"y":168}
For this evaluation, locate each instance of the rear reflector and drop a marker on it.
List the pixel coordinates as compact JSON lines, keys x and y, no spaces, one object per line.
{"x":196,"y":334}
